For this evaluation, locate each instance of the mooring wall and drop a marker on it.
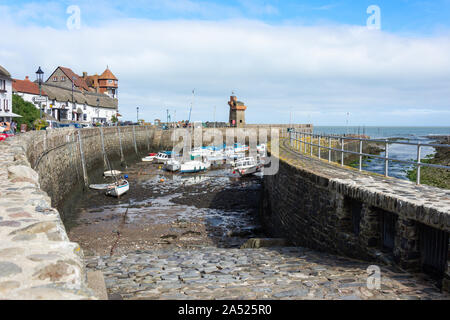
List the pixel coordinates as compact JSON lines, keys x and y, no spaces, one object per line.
{"x":38,"y":170}
{"x":360,"y":215}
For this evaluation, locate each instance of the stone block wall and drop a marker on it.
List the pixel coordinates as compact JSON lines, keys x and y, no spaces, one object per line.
{"x":360,"y":215}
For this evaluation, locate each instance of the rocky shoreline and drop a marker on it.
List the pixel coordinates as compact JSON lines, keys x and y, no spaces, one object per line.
{"x":434,"y":176}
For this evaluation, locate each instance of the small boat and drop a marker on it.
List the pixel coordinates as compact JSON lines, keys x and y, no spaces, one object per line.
{"x":104,"y":186}
{"x":238,"y":148}
{"x":150,"y":157}
{"x":172,"y":165}
{"x":194,"y":166}
{"x":112,"y":173}
{"x":262,"y":148}
{"x":161,"y":157}
{"x":118,"y":189}
{"x":247,"y":166}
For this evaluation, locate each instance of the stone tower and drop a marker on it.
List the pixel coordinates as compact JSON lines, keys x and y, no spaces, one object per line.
{"x":237,"y":112}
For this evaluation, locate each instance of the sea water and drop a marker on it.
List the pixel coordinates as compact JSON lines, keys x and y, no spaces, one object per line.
{"x":399,"y":170}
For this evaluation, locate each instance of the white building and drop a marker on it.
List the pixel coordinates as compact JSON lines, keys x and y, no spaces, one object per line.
{"x":5,"y":95}
{"x":66,"y":103}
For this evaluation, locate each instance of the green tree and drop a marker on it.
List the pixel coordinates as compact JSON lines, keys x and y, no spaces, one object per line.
{"x":27,"y":110}
{"x":114,"y":119}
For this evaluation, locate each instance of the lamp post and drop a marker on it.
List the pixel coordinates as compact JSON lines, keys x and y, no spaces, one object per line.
{"x":137,"y":114}
{"x":98,"y":109}
{"x":40,"y":78}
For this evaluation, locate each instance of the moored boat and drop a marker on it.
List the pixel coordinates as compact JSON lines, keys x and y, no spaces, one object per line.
{"x":247,"y":166}
{"x":172,"y":165}
{"x":112,"y":173}
{"x":161,"y":157}
{"x":194,"y":166}
{"x":118,"y":189}
{"x":150,"y":157}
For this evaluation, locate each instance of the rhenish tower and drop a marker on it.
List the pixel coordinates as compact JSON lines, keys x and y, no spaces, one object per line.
{"x":108,"y":83}
{"x":237,"y":112}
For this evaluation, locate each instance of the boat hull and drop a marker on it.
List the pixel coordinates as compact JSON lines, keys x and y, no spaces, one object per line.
{"x":117,"y":191}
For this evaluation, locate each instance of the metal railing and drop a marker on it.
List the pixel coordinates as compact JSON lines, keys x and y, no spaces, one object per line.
{"x":298,"y":140}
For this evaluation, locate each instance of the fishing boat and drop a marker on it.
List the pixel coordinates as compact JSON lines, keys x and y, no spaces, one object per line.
{"x":262,"y":148}
{"x":112,"y":173}
{"x":194,"y":166}
{"x":150,"y":157}
{"x":172,"y":165}
{"x":118,"y":189}
{"x":161,"y":157}
{"x":238,"y":148}
{"x":247,"y":166}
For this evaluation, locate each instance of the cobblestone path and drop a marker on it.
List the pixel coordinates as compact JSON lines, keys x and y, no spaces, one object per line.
{"x":276,"y":273}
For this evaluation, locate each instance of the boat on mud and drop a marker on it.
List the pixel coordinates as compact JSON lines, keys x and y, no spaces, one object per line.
{"x":172,"y":165}
{"x":247,"y":166}
{"x":161,"y":157}
{"x":150,"y":157}
{"x":194,"y":166}
{"x":119,"y":188}
{"x":112,"y":173}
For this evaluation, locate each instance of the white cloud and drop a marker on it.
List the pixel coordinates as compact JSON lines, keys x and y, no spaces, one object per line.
{"x":321,"y":71}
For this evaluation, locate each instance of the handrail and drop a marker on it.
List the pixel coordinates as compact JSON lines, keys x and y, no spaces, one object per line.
{"x":299,"y":137}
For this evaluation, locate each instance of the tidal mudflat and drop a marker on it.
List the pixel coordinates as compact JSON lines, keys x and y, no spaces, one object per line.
{"x":178,"y":237}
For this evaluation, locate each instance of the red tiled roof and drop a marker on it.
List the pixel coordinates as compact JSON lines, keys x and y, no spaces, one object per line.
{"x":79,"y":81}
{"x":26,"y":86}
{"x":107,"y":75}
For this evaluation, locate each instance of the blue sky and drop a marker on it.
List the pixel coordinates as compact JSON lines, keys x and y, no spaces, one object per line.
{"x":315,"y":58}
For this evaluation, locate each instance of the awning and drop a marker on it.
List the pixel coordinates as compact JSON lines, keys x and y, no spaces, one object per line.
{"x":9,"y":115}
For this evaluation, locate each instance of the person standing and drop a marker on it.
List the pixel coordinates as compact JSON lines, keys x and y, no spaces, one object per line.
{"x":13,"y":126}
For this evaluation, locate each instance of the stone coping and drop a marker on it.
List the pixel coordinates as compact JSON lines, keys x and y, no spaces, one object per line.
{"x":425,"y":204}
{"x":37,"y":259}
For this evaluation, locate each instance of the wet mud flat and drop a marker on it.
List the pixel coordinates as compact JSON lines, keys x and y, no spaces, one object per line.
{"x":178,"y":236}
{"x":165,"y":209}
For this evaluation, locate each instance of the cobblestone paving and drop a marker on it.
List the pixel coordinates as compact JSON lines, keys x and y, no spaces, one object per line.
{"x":275,"y":273}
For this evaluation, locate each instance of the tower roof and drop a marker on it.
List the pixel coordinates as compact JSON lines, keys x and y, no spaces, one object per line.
{"x":107,"y":75}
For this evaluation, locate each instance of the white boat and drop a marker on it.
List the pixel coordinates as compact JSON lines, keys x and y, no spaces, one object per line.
{"x":247,"y":166}
{"x":118,"y":189}
{"x":200,"y":152}
{"x":161,"y":157}
{"x":150,"y":157}
{"x":172,"y":165}
{"x":262,"y":148}
{"x":194,"y":166}
{"x":112,"y":173}
{"x":216,"y":156}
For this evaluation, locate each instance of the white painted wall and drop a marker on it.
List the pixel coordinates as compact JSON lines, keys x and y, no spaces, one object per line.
{"x":6,"y":95}
{"x":90,"y":111}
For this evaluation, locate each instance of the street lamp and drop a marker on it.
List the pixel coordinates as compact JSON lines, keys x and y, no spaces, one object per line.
{"x":98,"y":109}
{"x":40,"y":79}
{"x":137,"y":111}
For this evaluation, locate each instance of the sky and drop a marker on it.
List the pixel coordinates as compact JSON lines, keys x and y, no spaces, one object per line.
{"x":302,"y":61}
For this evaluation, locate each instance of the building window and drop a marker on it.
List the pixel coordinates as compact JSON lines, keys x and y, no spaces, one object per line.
{"x":84,"y":106}
{"x":110,"y":81}
{"x":2,"y":84}
{"x":84,"y":116}
{"x":55,"y":79}
{"x":0,"y":104}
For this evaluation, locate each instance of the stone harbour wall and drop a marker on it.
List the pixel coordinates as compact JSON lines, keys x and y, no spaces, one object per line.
{"x":37,"y":260}
{"x":38,"y":170}
{"x":361,"y":215}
